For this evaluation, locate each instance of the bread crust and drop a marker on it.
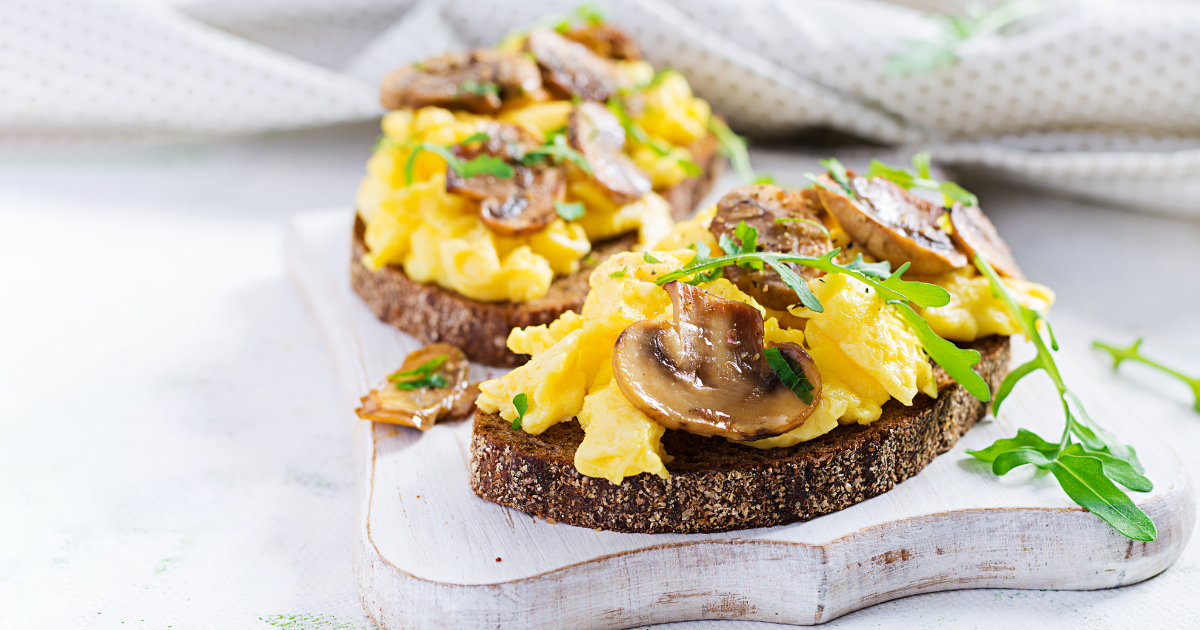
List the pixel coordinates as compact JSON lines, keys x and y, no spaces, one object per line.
{"x":718,"y":486}
{"x":434,"y":314}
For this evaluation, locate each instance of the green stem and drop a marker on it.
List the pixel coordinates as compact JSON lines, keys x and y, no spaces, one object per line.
{"x":1133,"y":353}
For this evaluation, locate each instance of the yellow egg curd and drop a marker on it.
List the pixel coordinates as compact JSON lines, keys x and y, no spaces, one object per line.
{"x":437,"y":237}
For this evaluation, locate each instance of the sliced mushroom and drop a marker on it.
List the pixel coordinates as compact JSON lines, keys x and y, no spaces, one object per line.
{"x":507,"y":142}
{"x":421,"y":407}
{"x":605,"y":40}
{"x":571,"y":69}
{"x":474,"y":81}
{"x":526,"y":203}
{"x":597,"y":134}
{"x":974,"y":232}
{"x":705,"y":372}
{"x":803,"y":235}
{"x":892,"y":224}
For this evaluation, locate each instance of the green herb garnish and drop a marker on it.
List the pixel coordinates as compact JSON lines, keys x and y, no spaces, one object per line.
{"x":746,"y":243}
{"x":619,"y":274}
{"x":480,"y":89}
{"x":1086,"y":469}
{"x":822,"y":228}
{"x":521,"y":404}
{"x":837,"y":172}
{"x":569,"y":211}
{"x":661,"y":147}
{"x":557,"y":149}
{"x":480,"y":165}
{"x":702,"y":254}
{"x":790,"y":374}
{"x":1134,"y":353}
{"x":650,"y":259}
{"x":733,"y":147}
{"x":919,"y":177}
{"x":921,"y":56}
{"x":421,"y":376}
{"x":957,"y":362}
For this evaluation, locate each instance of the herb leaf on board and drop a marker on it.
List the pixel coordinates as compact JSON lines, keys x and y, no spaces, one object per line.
{"x":1134,"y":353}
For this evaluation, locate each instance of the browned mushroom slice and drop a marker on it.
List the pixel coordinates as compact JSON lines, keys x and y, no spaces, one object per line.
{"x":431,"y":384}
{"x":528,"y":207}
{"x":892,"y":224}
{"x":474,"y":81}
{"x":606,"y":41}
{"x":974,"y":232}
{"x":571,"y":69}
{"x":508,"y":142}
{"x":787,"y":221}
{"x":705,"y":372}
{"x":598,"y":135}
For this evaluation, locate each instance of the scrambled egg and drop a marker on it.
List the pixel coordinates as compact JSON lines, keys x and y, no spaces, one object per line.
{"x":974,"y":312}
{"x":438,"y":237}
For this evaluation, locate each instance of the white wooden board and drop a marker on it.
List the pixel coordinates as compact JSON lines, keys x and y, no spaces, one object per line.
{"x":430,"y":554}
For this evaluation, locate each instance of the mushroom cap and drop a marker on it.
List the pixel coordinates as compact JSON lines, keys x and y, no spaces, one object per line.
{"x":759,"y":206}
{"x":438,"y":81}
{"x":422,"y":407}
{"x":572,"y":69}
{"x":892,"y":224}
{"x":974,"y":233}
{"x":705,"y":372}
{"x":597,"y":134}
{"x":524,"y":204}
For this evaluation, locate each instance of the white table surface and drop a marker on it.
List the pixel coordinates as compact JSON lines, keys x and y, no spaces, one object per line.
{"x":175,"y":451}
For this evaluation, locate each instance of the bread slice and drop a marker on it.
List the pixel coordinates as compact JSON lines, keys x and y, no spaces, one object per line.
{"x":432,"y":314}
{"x":717,"y":485}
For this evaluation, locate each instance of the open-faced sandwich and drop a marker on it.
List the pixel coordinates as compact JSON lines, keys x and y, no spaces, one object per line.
{"x":506,"y":175}
{"x":785,"y":354}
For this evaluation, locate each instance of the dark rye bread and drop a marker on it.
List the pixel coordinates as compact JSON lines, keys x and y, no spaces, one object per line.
{"x":433,"y":314}
{"x":718,"y":486}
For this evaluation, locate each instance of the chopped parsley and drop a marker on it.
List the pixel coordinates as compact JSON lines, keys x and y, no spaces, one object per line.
{"x":421,"y":376}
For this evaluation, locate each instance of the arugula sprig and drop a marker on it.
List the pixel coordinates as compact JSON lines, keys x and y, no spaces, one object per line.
{"x":734,"y":147}
{"x":790,"y":373}
{"x":557,"y":150}
{"x":922,"y":55}
{"x":570,"y":211}
{"x":421,"y":376}
{"x":1134,"y":353}
{"x":661,"y":147}
{"x":1088,"y":470}
{"x":480,"y":165}
{"x":521,"y":404}
{"x":919,"y":177}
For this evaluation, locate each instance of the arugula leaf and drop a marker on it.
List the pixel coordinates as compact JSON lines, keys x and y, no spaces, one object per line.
{"x":920,"y":56}
{"x":557,"y":150}
{"x":650,"y":259}
{"x":790,"y":374}
{"x":481,"y":165}
{"x":619,"y":274}
{"x":639,"y":135}
{"x":881,"y":269}
{"x":838,"y":173}
{"x":421,"y":376}
{"x":521,"y":404}
{"x":703,"y":253}
{"x":1084,"y":480}
{"x":1134,"y":353}
{"x":1025,"y":439}
{"x":746,"y":243}
{"x":822,"y":228}
{"x":1086,"y":470}
{"x":733,"y":147}
{"x":956,"y":361}
{"x":919,"y":178}
{"x":570,"y":211}
{"x":472,"y":87}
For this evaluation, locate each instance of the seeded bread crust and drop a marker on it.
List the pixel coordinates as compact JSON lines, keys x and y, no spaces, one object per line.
{"x":433,"y":314}
{"x":716,"y":485}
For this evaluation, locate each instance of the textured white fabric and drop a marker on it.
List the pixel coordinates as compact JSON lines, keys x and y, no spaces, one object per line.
{"x":1094,"y":98}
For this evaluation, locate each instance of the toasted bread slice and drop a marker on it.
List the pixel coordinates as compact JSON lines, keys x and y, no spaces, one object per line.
{"x":434,"y":314}
{"x":717,"y":485}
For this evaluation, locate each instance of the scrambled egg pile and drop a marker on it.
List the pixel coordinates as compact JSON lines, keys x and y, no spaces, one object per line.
{"x":865,"y":353}
{"x":437,"y":236}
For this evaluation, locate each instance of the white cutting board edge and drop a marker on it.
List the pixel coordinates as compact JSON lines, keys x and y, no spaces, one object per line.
{"x":426,"y":547}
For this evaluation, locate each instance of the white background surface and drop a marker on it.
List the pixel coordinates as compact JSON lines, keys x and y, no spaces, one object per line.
{"x":175,"y":451}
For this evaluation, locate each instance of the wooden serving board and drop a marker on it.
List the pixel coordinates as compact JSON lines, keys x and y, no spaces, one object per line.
{"x":430,"y":554}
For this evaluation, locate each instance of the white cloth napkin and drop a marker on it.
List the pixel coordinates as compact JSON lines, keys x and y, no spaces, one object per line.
{"x":1099,"y":99}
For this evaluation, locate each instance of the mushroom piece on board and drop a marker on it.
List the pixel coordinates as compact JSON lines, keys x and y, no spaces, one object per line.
{"x":706,"y":372}
{"x":475,"y":81}
{"x":431,"y":384}
{"x":597,"y":134}
{"x":892,"y":224}
{"x":799,"y":230}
